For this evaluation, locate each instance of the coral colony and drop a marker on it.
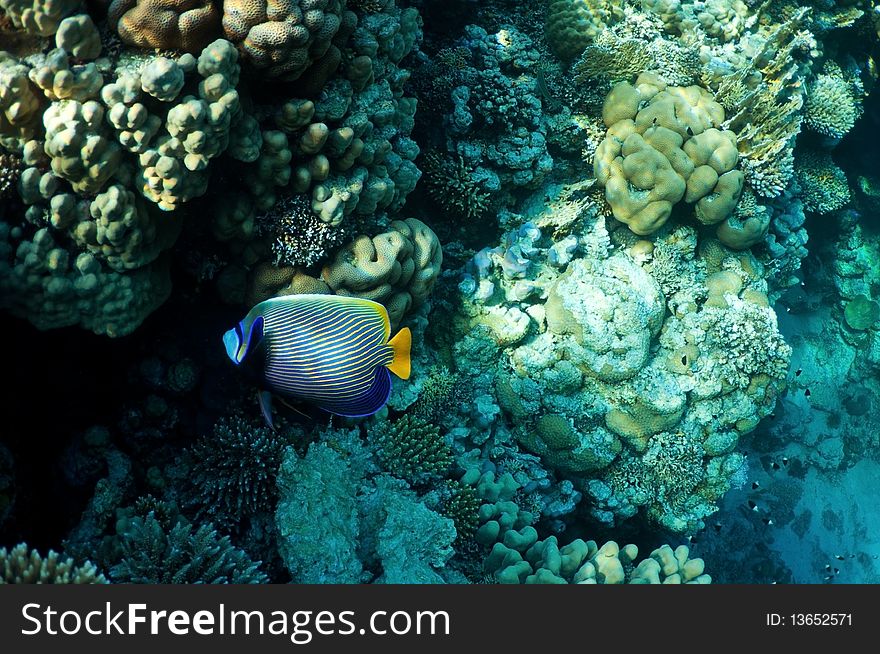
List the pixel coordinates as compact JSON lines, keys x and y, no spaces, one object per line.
{"x":629,"y":361}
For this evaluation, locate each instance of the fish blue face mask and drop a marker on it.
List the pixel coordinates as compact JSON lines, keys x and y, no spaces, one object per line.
{"x":237,"y":346}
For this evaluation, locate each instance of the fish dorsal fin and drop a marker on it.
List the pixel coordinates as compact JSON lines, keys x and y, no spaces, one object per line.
{"x":400,"y":345}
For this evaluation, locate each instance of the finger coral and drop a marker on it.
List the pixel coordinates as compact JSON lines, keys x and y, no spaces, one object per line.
{"x":20,"y":566}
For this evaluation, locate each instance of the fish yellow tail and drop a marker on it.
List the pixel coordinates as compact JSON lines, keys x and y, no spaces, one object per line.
{"x":400,"y":345}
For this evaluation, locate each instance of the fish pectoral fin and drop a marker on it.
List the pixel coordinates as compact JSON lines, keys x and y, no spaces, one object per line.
{"x":265,"y":400}
{"x":400,"y":345}
{"x":292,"y":408}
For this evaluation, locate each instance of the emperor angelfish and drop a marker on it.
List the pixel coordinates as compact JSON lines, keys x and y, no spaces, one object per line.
{"x":330,"y":350}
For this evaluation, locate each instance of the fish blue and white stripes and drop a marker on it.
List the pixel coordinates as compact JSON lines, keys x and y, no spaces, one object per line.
{"x":330,"y":350}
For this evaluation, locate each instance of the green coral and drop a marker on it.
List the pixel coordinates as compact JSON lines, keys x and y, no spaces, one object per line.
{"x":824,"y":187}
{"x":584,"y":562}
{"x":832,"y":107}
{"x":573,"y":24}
{"x":450,"y":183}
{"x":234,"y":468}
{"x":20,"y":103}
{"x":42,"y":281}
{"x":153,"y":553}
{"x":120,"y":229}
{"x":80,"y":151}
{"x":339,"y":521}
{"x":441,"y":392}
{"x":462,"y":506}
{"x":79,"y":37}
{"x":317,"y":517}
{"x":861,"y":313}
{"x":412,"y":448}
{"x":40,"y":17}
{"x":59,"y":80}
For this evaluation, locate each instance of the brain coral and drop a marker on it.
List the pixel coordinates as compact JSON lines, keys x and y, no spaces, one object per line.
{"x":573,"y":24}
{"x":397,"y":268}
{"x":663,"y":145}
{"x":166,"y":24}
{"x":284,"y":38}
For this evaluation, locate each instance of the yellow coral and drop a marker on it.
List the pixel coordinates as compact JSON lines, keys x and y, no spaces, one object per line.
{"x":663,"y":145}
{"x":166,"y":24}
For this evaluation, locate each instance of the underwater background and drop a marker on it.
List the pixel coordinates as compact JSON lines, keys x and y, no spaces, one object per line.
{"x":637,"y":245}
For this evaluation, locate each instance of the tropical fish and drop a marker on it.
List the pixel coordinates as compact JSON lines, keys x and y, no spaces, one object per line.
{"x":329,"y":350}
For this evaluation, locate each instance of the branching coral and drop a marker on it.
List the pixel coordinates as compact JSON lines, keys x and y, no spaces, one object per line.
{"x":412,"y":448}
{"x":824,"y":187}
{"x":832,"y":107}
{"x":299,"y":237}
{"x":451,"y":183}
{"x":233,"y":469}
{"x":20,"y":566}
{"x":764,"y":97}
{"x":156,"y":553}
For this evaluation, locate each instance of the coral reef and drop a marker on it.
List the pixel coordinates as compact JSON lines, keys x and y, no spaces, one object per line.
{"x":339,"y":522}
{"x":628,"y":381}
{"x":397,"y":268}
{"x":413,"y":449}
{"x":187,"y":25}
{"x":233,"y":469}
{"x":618,"y":330}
